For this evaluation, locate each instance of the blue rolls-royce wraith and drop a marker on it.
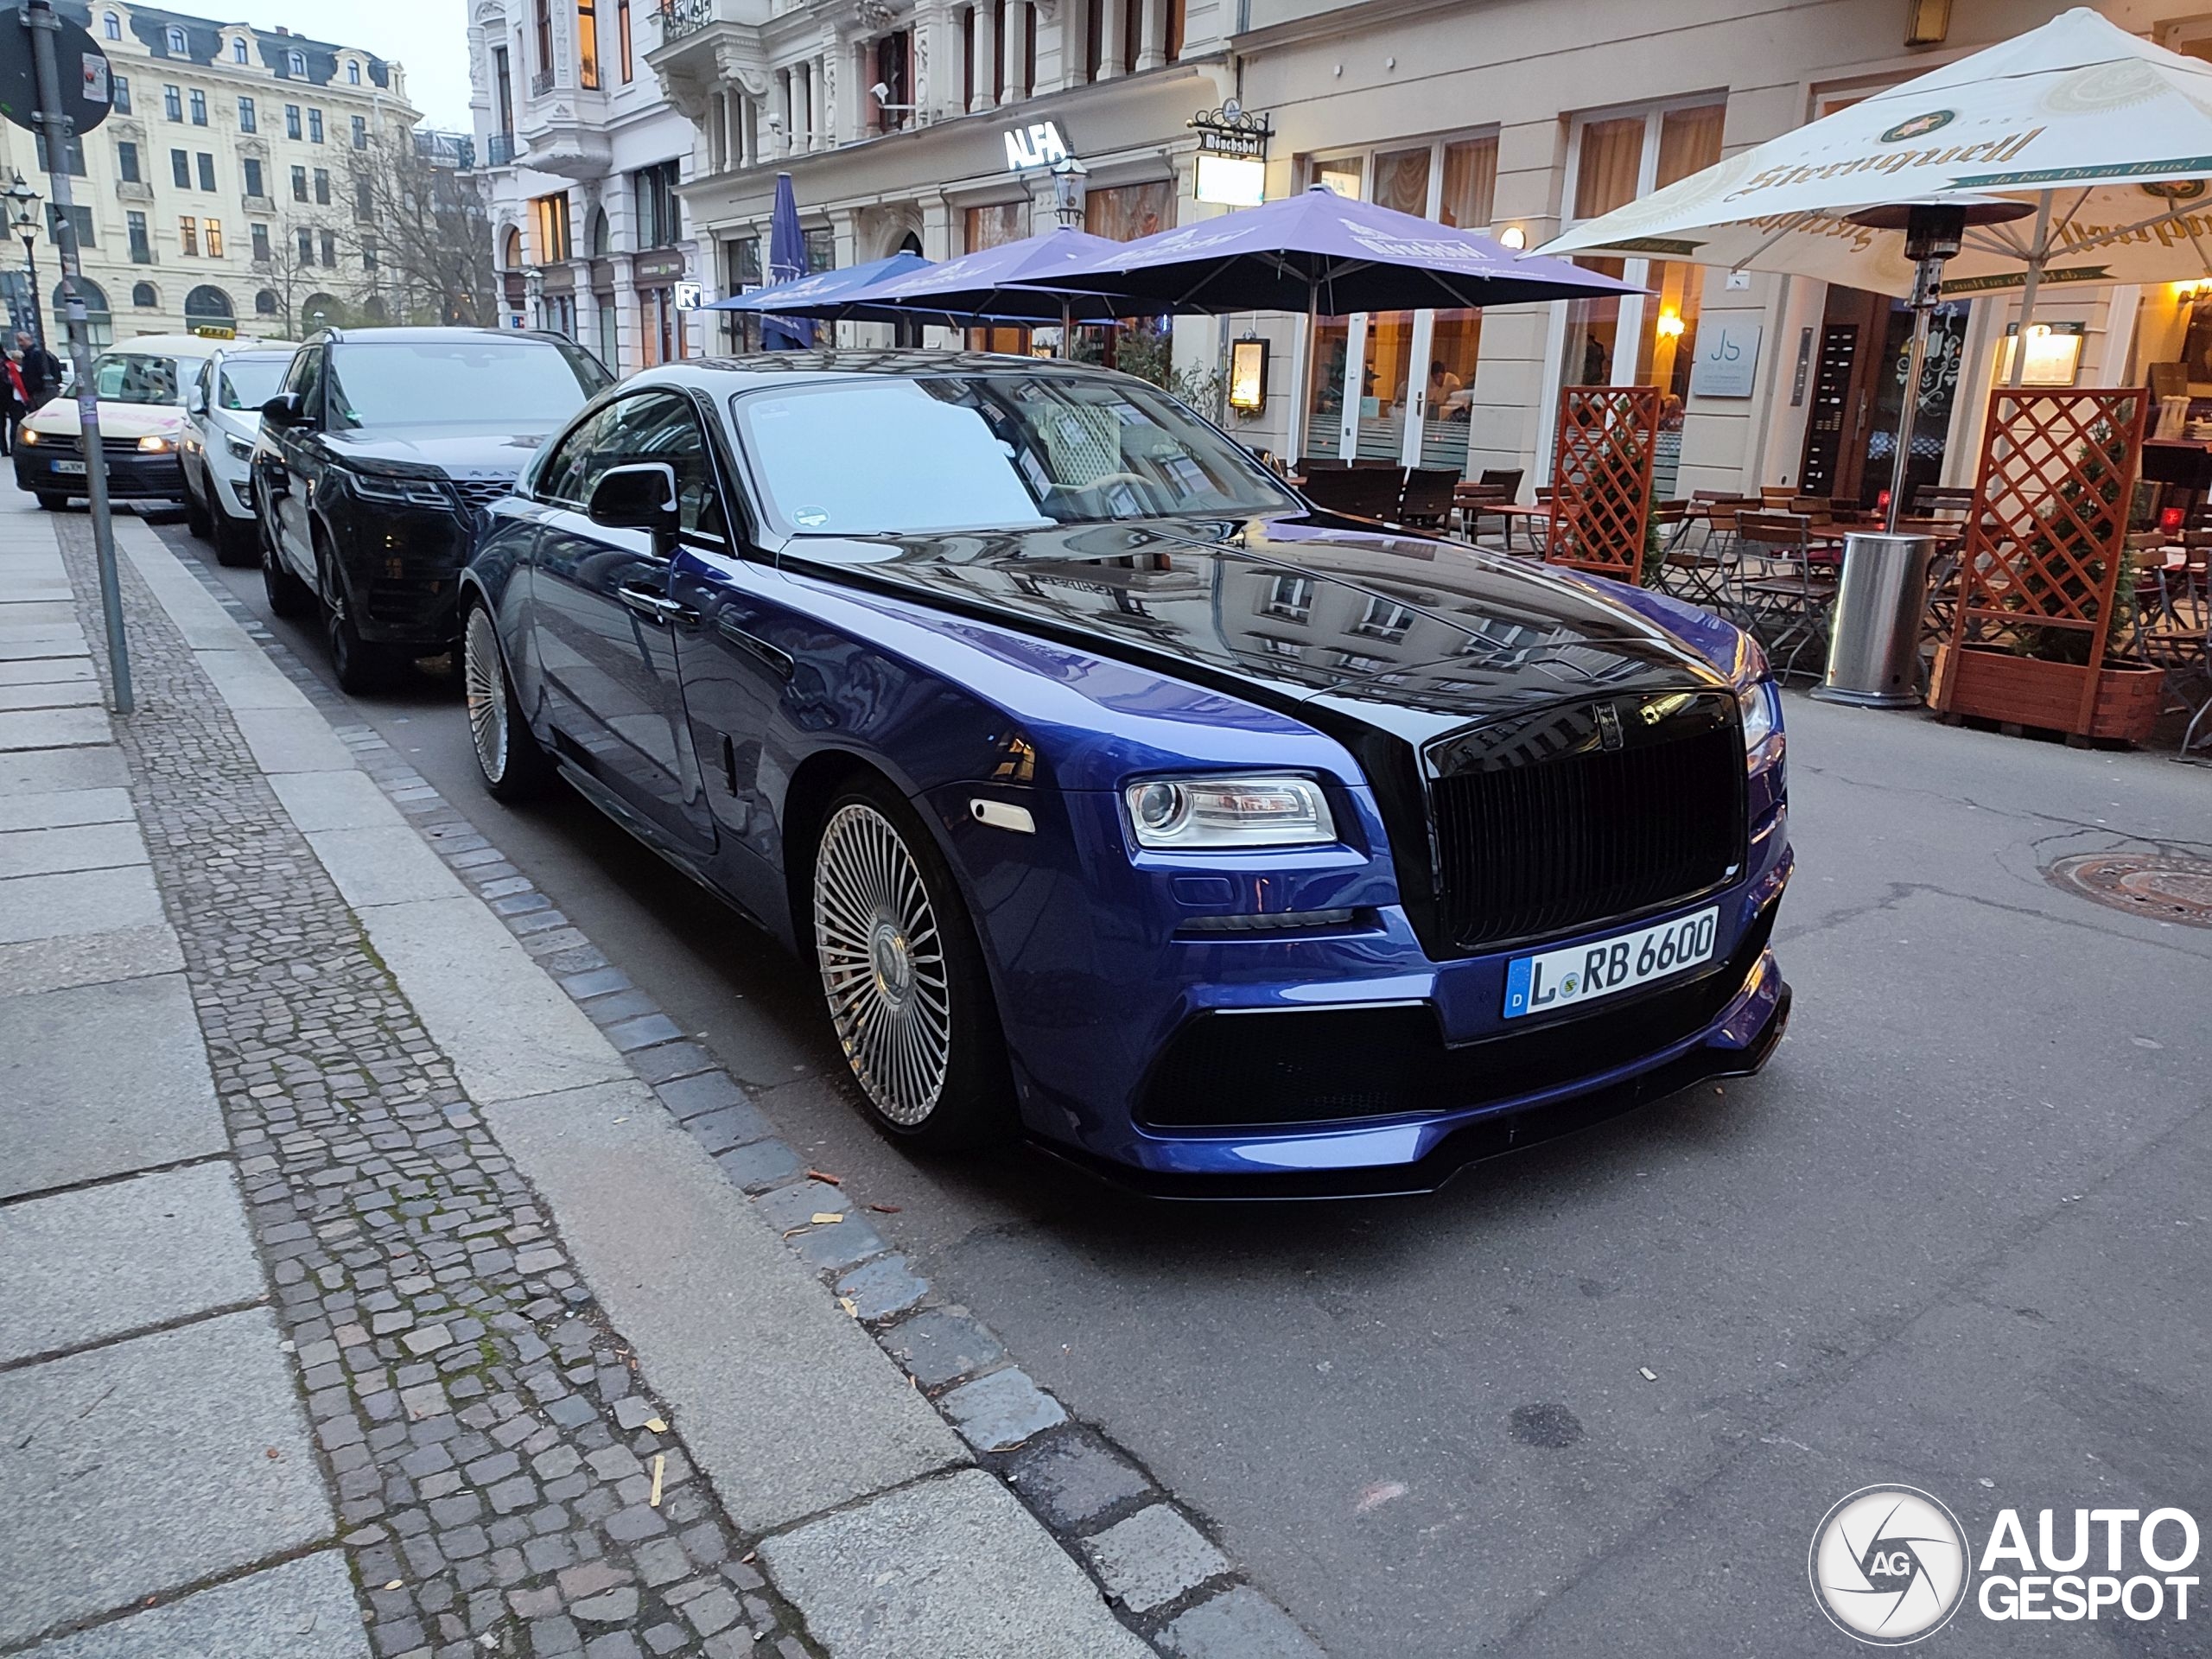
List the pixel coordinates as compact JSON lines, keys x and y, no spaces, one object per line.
{"x":1120,"y":797}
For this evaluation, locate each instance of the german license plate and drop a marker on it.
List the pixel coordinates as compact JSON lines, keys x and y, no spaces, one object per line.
{"x":1584,"y":973}
{"x":71,"y":468}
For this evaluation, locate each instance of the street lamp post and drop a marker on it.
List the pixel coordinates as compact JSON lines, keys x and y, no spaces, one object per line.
{"x":24,"y":202}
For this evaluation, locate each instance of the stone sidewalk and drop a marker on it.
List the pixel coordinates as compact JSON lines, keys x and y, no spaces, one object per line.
{"x":364,"y":1290}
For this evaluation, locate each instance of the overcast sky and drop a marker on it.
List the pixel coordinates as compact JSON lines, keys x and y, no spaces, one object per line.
{"x":430,"y":37}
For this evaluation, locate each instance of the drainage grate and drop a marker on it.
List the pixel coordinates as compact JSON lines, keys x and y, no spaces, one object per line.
{"x":2169,"y":889}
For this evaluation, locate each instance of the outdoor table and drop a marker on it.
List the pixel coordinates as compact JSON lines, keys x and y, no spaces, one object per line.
{"x":1510,"y":510}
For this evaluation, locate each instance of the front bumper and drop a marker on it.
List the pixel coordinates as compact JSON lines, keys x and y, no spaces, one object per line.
{"x":1358,"y":1064}
{"x":402,"y":565}
{"x":132,"y":477}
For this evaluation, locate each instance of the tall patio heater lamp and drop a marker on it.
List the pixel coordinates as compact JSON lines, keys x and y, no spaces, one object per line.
{"x":1934,"y":232}
{"x":25,"y":202}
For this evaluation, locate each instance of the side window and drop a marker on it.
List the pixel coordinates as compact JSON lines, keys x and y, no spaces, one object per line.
{"x":666,"y":429}
{"x":305,"y":376}
{"x":207,"y":383}
{"x":577,"y":459}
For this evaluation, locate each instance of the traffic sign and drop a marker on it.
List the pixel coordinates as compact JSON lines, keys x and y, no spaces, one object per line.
{"x":86,"y":93}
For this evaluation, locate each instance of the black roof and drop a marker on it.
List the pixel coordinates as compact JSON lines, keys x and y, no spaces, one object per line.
{"x":203,"y":39}
{"x":407,"y":333}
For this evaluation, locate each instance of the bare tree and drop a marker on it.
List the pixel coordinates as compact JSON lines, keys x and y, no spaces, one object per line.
{"x":293,"y":268}
{"x":423,"y":237}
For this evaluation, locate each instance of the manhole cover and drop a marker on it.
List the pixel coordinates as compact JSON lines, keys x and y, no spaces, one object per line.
{"x":2167,"y":889}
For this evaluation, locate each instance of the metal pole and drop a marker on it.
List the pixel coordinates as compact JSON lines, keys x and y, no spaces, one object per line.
{"x":2038,"y":253}
{"x":1067,"y":328}
{"x":44,"y":26}
{"x":1303,"y":392}
{"x":1927,"y":286}
{"x":38,"y":306}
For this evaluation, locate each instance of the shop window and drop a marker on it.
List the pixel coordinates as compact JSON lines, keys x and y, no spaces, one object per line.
{"x":549,"y":221}
{"x":997,"y":225}
{"x":1124,"y":212}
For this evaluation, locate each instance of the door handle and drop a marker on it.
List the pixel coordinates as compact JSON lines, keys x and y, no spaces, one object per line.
{"x":779,"y":663}
{"x":657,"y":608}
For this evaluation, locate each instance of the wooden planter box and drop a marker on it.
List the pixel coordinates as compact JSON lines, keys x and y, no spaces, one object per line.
{"x":1990,"y":684}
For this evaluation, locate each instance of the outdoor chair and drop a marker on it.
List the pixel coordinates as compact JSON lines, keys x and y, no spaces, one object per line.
{"x":1357,"y":492}
{"x":1689,"y":570}
{"x":1373,"y":464}
{"x":1777,"y":497}
{"x":1312,"y":464}
{"x":1930,"y":502}
{"x":1786,"y":595}
{"x":1426,"y":502}
{"x":1498,"y":483}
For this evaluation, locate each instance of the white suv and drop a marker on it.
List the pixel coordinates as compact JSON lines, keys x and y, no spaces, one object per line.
{"x":222,"y":419}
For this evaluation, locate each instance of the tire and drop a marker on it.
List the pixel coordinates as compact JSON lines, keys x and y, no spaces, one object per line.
{"x":287,"y":595}
{"x":49,"y":502}
{"x":903,"y":977}
{"x":359,"y":667}
{"x":512,"y":764}
{"x":234,"y":540}
{"x":196,"y":516}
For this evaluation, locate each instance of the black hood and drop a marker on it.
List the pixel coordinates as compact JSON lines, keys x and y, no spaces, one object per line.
{"x":1410,"y":636}
{"x":459,"y":452}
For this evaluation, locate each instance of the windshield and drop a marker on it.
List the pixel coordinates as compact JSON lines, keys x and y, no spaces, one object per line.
{"x":1003,"y":450}
{"x":134,"y":377}
{"x":249,"y":382}
{"x":525,"y":384}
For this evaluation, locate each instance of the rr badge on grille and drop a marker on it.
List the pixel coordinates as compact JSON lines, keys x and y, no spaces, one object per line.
{"x":1609,"y":726}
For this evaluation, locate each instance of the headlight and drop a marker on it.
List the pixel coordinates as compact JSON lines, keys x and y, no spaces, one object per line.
{"x":27,"y":435}
{"x":1761,"y":704}
{"x":153,"y":445}
{"x":239,"y":449}
{"x":1202,"y":813}
{"x":382,"y":486}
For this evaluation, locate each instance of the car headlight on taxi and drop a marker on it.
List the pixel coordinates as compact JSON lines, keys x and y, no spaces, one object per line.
{"x":1228,"y":813}
{"x":154,"y":443}
{"x":241,"y":448}
{"x":30,"y":435}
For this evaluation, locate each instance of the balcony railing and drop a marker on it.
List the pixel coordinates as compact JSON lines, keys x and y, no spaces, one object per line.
{"x":682,"y":18}
{"x":499,"y":150}
{"x":541,"y":83}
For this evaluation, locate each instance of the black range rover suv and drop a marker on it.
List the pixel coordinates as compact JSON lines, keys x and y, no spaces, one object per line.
{"x":374,"y":460}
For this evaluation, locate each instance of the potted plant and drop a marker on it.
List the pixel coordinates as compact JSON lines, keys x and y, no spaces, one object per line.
{"x":2047,"y":596}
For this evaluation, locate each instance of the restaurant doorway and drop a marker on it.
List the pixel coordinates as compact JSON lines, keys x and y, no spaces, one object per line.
{"x":1858,"y":396}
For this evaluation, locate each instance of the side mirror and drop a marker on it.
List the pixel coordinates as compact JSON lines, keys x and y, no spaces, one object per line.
{"x":285,"y":408}
{"x":641,"y":496}
{"x":195,"y":400}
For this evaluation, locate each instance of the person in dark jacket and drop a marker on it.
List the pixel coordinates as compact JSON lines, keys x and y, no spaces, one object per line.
{"x":42,"y":372}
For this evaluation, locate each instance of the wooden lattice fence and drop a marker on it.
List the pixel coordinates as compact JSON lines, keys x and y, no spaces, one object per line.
{"x":1601,"y":478}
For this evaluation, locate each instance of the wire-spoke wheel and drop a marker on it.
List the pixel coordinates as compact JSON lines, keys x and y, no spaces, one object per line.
{"x":513,"y":765}
{"x":902,"y":976}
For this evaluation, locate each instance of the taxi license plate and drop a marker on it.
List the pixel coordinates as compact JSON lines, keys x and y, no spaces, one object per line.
{"x":1584,"y":973}
{"x":71,"y":468}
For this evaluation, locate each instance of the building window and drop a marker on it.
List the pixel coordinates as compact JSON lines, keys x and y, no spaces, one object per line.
{"x":206,"y":171}
{"x":143,"y":297}
{"x":180,"y":168}
{"x":126,"y":162}
{"x":659,"y":215}
{"x":72,"y":155}
{"x":173,"y":103}
{"x":291,"y":120}
{"x":995,"y":226}
{"x":238,"y":48}
{"x":187,"y":234}
{"x":502,"y":92}
{"x":142,"y":246}
{"x":354,"y":72}
{"x":323,"y":186}
{"x":894,"y":72}
{"x":121,"y":88}
{"x":299,"y":184}
{"x":550,"y":219}
{"x":248,"y":121}
{"x":544,"y":19}
{"x":360,"y":132}
{"x":329,"y":247}
{"x":260,"y":244}
{"x":588,"y":44}
{"x":253,"y":178}
{"x":111,"y":26}
{"x":214,"y":238}
{"x":297,"y":63}
{"x":622,"y":30}
{"x":207,"y":303}
{"x":198,"y":108}
{"x":177,"y":45}
{"x":306,"y":240}
{"x":80,"y":217}
{"x":314,"y":126}
{"x":660,"y":326}
{"x":264,"y":303}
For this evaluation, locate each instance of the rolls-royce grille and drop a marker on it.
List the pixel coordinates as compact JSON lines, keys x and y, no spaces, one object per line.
{"x":1607,"y":810}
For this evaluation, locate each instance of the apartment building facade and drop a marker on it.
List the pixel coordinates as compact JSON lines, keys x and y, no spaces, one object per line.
{"x":216,"y":194}
{"x":583,"y":158}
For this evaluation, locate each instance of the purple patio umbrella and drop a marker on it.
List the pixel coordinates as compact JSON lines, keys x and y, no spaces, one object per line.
{"x":786,"y":263}
{"x":1017,"y":282}
{"x":1326,"y":254}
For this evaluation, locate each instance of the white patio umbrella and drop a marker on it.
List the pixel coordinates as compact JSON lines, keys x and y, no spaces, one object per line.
{"x":2106,"y":139}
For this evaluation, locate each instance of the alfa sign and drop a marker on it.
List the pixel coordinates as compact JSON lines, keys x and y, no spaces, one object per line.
{"x":1038,"y":144}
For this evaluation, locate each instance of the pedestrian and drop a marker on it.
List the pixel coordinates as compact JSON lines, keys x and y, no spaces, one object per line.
{"x":41,"y":370}
{"x":13,"y":404}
